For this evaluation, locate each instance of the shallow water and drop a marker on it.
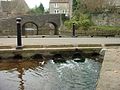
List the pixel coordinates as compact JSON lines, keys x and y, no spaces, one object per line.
{"x":35,"y":75}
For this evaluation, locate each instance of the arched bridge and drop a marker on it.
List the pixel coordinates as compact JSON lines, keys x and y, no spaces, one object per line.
{"x":8,"y":26}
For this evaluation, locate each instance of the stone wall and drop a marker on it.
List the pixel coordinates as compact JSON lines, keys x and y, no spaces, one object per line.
{"x":106,"y":19}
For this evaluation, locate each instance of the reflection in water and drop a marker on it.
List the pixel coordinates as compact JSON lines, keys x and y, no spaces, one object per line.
{"x":35,"y":75}
{"x":10,"y":68}
{"x":20,"y":75}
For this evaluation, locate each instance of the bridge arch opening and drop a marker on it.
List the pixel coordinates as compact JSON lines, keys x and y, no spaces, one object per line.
{"x":49,"y":28}
{"x":56,"y":31}
{"x":29,"y":28}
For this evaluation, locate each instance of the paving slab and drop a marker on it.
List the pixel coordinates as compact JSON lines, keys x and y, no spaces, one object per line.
{"x":110,"y":71}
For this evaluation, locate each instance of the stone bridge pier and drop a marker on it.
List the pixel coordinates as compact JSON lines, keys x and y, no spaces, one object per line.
{"x":8,"y":26}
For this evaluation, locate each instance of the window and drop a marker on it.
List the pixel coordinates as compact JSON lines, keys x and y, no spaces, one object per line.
{"x":56,"y":5}
{"x":56,"y":11}
{"x":64,"y":11}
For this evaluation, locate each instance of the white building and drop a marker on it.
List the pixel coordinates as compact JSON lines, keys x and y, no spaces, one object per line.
{"x":61,"y":7}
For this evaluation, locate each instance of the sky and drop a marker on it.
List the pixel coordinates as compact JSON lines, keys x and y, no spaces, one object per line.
{"x":33,"y":3}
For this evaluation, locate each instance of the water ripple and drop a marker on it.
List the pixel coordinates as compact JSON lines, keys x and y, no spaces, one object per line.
{"x":31,"y":75}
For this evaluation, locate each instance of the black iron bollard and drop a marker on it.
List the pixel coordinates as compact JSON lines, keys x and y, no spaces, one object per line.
{"x":73,"y":29}
{"x":19,"y":41}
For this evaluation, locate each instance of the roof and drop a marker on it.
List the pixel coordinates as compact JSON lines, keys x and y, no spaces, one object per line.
{"x":59,"y":1}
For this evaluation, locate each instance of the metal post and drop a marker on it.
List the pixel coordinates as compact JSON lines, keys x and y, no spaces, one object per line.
{"x":19,"y":41}
{"x":73,"y":29}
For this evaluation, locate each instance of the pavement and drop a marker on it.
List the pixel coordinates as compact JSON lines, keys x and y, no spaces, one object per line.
{"x":110,"y":71}
{"x":59,"y":41}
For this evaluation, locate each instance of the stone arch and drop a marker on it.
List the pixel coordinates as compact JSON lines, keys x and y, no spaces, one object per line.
{"x":8,"y":26}
{"x":56,"y":32}
{"x":32,"y":23}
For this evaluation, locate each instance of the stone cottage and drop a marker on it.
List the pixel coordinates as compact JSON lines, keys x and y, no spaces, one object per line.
{"x":10,"y":8}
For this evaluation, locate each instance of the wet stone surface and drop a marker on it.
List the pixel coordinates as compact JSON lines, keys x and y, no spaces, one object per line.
{"x":36,"y":75}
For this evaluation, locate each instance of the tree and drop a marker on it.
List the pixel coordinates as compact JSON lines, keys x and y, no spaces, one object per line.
{"x":93,"y":5}
{"x":37,"y":10}
{"x":41,"y":8}
{"x":74,"y":5}
{"x":82,"y":10}
{"x":83,"y":21}
{"x":99,"y":6}
{"x":81,"y":16}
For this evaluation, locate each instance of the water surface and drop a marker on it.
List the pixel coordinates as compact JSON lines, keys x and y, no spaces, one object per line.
{"x":35,"y":75}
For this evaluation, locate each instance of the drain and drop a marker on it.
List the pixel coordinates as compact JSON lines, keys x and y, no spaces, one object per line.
{"x":60,"y":36}
{"x":95,"y":54}
{"x":77,"y":57}
{"x":37,"y":56}
{"x":0,"y":57}
{"x":43,"y":36}
{"x":17,"y":56}
{"x":58,"y":58}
